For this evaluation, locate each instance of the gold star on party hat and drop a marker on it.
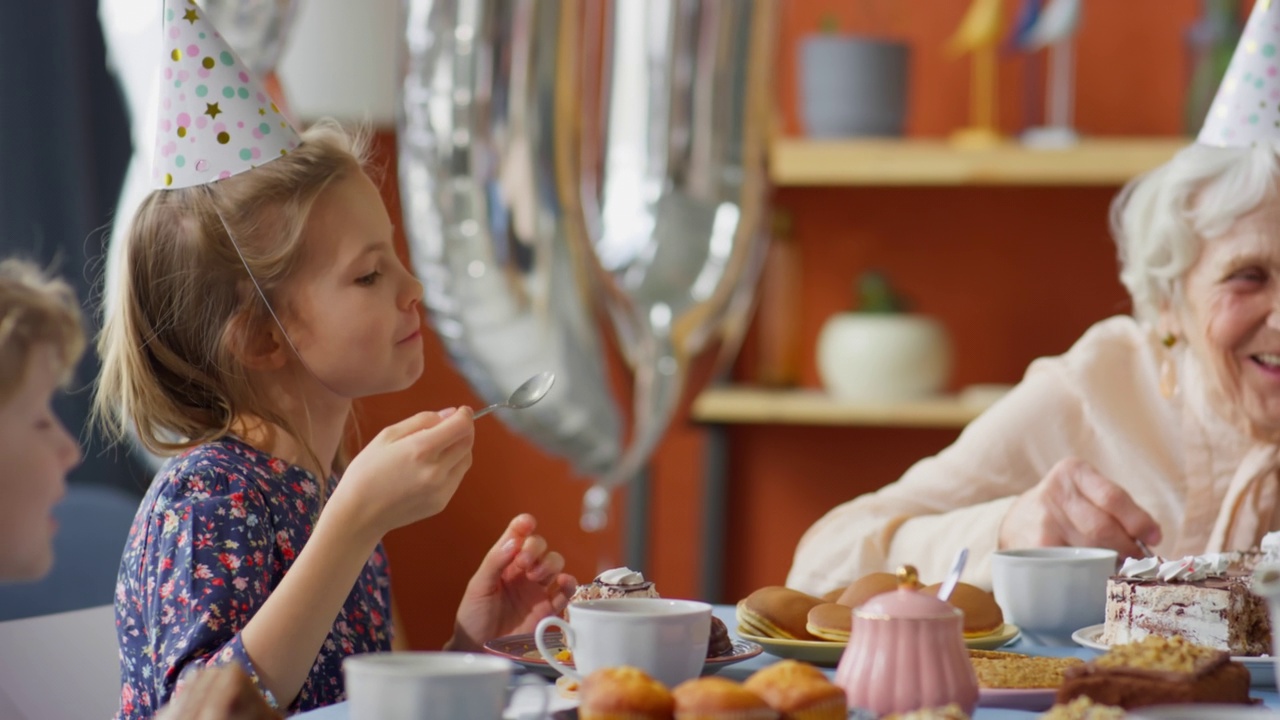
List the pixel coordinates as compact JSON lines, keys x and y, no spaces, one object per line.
{"x":1246,"y":109}
{"x":215,"y":120}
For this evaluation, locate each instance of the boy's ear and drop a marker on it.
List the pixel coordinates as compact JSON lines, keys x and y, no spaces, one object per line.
{"x":257,"y":348}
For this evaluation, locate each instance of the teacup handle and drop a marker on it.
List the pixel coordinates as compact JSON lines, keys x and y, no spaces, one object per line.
{"x":538,"y":685}
{"x":547,"y":623}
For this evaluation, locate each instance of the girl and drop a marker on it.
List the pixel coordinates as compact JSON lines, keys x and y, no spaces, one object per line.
{"x":253,"y":311}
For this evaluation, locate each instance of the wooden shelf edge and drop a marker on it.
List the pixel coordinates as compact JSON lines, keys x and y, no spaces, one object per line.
{"x":933,"y":162}
{"x":734,"y":405}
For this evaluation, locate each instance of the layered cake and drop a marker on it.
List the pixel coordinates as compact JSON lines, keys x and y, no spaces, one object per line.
{"x":1158,"y":671}
{"x":1204,"y":599}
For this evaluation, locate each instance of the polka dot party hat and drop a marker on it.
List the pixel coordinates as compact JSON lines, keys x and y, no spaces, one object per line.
{"x":1246,"y":109}
{"x":215,"y":120}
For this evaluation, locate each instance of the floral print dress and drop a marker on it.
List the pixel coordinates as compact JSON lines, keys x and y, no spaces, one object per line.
{"x":218,"y":529}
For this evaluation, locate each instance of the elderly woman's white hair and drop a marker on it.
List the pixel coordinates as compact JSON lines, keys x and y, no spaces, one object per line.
{"x":1159,"y":219}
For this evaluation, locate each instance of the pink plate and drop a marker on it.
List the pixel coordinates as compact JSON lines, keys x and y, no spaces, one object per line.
{"x":521,"y":649}
{"x":1033,"y":699}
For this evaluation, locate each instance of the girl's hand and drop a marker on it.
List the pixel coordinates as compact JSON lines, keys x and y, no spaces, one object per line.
{"x":518,"y":583}
{"x":224,"y":692}
{"x":408,"y":472}
{"x":1075,"y":505}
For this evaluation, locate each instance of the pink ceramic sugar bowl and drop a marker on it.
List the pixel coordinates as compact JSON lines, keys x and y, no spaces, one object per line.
{"x":907,"y":652}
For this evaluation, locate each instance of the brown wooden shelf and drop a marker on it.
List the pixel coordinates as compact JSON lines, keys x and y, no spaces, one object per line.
{"x":925,"y":162}
{"x":749,"y":405}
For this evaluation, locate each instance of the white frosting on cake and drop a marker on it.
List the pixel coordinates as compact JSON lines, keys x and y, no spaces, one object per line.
{"x":623,"y":576}
{"x":1192,"y":568}
{"x":1270,"y":546}
{"x":1144,"y":568}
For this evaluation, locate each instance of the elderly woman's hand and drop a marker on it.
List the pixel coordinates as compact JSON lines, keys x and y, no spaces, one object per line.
{"x":1074,"y":505}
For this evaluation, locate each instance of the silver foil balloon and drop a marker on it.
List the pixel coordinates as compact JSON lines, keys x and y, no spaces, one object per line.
{"x":131,"y":30}
{"x":675,"y":190}
{"x":488,"y":148}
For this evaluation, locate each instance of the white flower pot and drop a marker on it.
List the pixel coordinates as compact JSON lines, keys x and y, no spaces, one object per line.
{"x":874,"y":357}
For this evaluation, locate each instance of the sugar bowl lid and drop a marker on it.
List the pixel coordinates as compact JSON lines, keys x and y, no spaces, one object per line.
{"x":907,"y":602}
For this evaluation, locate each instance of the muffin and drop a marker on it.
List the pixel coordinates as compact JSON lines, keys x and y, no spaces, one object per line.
{"x":623,"y":693}
{"x":798,"y":691}
{"x":715,"y":698}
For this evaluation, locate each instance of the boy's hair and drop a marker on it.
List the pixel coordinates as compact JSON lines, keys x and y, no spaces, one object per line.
{"x":35,"y":310}
{"x":186,"y":302}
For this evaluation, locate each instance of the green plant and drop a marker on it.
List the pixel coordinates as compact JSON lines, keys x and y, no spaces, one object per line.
{"x":875,"y":294}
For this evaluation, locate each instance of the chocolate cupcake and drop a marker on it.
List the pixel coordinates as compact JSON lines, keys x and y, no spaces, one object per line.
{"x":719,"y":643}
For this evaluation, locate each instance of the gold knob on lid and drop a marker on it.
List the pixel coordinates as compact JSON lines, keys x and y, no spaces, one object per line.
{"x":908,"y":578}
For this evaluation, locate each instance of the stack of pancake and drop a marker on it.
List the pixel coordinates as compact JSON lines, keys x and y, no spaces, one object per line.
{"x":783,"y":613}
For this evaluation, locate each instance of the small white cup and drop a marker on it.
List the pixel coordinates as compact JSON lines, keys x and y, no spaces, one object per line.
{"x":422,"y":685}
{"x":1051,"y":592}
{"x":665,"y":638}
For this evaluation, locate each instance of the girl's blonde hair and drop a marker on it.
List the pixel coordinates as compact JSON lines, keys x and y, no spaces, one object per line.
{"x":35,"y":310}
{"x":187,"y":303}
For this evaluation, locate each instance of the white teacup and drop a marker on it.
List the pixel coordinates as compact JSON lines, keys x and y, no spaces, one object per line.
{"x":1049,"y":593}
{"x":665,"y":638}
{"x":421,"y":685}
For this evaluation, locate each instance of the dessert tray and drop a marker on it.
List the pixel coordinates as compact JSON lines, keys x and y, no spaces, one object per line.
{"x":523,"y":650}
{"x":827,"y":653}
{"x":1262,"y":668}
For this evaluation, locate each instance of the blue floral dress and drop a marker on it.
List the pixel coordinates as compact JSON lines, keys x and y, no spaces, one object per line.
{"x":218,"y":529}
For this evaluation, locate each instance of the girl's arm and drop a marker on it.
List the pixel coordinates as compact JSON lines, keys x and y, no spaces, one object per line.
{"x":408,"y":472}
{"x":285,"y":635}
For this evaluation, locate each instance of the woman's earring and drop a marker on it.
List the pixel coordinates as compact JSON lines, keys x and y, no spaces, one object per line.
{"x":1168,"y":368}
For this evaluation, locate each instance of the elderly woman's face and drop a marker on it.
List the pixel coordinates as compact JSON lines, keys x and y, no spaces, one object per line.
{"x":1232,"y":314}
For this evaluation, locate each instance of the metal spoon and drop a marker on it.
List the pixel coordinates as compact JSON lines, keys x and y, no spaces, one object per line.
{"x":953,"y":577}
{"x":530,"y":392}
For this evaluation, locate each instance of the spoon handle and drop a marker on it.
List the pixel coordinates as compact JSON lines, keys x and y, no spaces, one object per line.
{"x":486,"y":411}
{"x":953,"y":577}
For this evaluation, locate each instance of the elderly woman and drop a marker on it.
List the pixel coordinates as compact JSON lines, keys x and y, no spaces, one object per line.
{"x":1161,"y":427}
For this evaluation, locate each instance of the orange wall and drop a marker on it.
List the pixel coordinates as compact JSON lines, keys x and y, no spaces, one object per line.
{"x":1013,"y":273}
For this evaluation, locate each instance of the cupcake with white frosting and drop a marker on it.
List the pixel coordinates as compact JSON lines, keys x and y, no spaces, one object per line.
{"x":615,"y":584}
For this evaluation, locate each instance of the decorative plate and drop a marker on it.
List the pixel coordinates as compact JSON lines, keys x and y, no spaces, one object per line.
{"x":523,"y":650}
{"x":1017,"y":699}
{"x":1262,"y":669}
{"x":827,"y":653}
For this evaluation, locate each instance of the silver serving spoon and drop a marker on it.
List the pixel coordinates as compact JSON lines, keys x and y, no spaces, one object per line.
{"x":953,"y":577}
{"x":530,"y":392}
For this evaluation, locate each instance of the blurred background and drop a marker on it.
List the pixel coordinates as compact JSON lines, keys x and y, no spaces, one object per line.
{"x":1002,"y":247}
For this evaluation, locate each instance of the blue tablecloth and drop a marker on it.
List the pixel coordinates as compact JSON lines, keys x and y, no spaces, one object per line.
{"x":740,"y":671}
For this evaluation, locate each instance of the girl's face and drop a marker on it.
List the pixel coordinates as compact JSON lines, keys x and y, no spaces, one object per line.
{"x":1231,"y":317}
{"x":353,"y":308}
{"x":36,"y":453}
